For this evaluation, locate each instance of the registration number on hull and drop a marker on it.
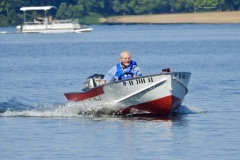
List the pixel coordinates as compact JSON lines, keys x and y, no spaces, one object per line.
{"x":139,"y":81}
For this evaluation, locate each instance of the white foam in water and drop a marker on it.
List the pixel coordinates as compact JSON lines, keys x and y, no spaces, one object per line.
{"x":189,"y":110}
{"x":70,"y":109}
{"x":3,"y":32}
{"x":18,"y":107}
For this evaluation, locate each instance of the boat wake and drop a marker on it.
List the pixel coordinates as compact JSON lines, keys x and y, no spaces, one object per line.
{"x":20,"y":107}
{"x":3,"y":32}
{"x":189,"y":110}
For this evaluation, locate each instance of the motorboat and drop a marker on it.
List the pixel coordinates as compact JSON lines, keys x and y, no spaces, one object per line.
{"x":158,"y":95}
{"x":48,"y":25}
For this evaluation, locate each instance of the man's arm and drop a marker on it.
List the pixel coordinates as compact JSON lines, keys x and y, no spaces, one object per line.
{"x":109,"y":76}
{"x":138,"y":71}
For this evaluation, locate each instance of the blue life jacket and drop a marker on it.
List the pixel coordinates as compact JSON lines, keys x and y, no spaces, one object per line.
{"x":128,"y":73}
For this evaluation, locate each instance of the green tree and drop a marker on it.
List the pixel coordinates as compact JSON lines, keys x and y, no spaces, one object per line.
{"x":232,"y":4}
{"x":92,"y":9}
{"x":117,"y":7}
{"x":76,"y":11}
{"x":160,"y":6}
{"x":62,"y":12}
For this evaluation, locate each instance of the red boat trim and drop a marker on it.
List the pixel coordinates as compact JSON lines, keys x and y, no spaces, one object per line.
{"x":78,"y":96}
{"x":163,"y":107}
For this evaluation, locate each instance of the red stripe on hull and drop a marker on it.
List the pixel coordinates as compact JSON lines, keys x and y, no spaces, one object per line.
{"x":79,"y":96}
{"x":163,"y":107}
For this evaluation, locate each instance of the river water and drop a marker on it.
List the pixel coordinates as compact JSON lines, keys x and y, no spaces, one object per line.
{"x":36,"y":121}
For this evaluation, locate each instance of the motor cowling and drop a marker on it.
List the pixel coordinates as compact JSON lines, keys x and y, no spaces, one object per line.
{"x":92,"y":81}
{"x":19,"y":27}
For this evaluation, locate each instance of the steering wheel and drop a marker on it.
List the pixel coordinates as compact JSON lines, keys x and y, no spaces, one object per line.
{"x":126,"y":73}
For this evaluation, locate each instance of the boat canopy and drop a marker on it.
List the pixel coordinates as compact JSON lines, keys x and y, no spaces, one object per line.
{"x":37,"y":8}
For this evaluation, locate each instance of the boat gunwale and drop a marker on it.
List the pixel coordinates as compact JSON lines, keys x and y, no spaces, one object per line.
{"x":153,"y":75}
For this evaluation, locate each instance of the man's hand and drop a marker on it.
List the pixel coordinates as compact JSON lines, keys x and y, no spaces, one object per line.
{"x":102,"y":82}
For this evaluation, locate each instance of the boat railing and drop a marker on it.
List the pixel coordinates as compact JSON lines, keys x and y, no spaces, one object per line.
{"x":36,"y":23}
{"x":29,"y":23}
{"x":52,"y":22}
{"x":66,"y":21}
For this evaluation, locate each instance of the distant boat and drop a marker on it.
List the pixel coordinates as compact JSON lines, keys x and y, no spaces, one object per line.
{"x":47,"y":25}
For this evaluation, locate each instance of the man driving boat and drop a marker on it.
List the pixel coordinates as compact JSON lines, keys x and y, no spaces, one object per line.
{"x":126,"y":69}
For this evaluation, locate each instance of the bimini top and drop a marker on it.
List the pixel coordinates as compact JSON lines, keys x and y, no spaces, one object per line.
{"x":37,"y":8}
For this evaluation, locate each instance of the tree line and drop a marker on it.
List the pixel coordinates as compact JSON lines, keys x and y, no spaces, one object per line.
{"x":88,"y":11}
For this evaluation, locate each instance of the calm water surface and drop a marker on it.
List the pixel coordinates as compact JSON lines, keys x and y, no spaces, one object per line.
{"x":38,"y":123}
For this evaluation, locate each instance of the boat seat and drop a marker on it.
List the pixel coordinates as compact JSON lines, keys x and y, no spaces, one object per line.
{"x":36,"y":21}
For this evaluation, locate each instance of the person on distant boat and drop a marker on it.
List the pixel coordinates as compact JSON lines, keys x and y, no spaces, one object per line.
{"x":126,"y":69}
{"x":50,"y":19}
{"x":38,"y":20}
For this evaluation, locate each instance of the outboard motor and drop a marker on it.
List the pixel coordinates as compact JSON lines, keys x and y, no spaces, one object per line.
{"x":92,"y":81}
{"x":19,"y":28}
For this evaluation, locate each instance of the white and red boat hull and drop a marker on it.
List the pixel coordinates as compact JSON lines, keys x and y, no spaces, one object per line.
{"x":158,"y":94}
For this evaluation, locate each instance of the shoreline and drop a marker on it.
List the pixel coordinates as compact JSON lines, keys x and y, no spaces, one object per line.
{"x":198,"y":18}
